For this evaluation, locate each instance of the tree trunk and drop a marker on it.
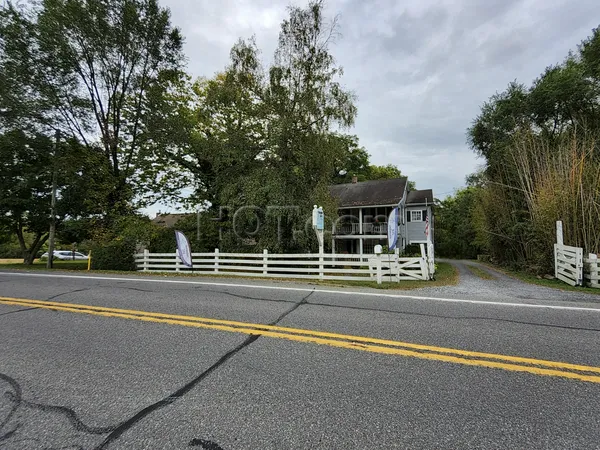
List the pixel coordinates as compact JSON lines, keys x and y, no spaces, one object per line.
{"x":35,"y":248}
{"x":19,"y":232}
{"x":29,"y":254}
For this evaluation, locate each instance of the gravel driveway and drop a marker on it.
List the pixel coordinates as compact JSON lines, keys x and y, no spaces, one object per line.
{"x":501,"y":288}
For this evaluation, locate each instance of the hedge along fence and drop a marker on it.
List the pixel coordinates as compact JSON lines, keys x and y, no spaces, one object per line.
{"x":114,"y":255}
{"x":304,"y":266}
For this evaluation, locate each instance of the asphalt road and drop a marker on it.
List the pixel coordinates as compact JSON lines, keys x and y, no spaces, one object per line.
{"x":109,"y":362}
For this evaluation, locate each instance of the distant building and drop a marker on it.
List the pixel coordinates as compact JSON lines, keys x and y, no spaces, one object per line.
{"x":364,"y":209}
{"x":168,"y":220}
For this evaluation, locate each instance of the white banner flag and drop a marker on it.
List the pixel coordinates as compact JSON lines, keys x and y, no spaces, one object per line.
{"x":393,"y":229}
{"x":183,"y":248}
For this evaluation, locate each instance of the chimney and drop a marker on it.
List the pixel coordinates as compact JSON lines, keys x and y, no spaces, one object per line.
{"x":354,"y":179}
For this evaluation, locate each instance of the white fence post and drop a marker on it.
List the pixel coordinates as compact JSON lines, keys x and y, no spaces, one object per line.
{"x":216,"y":259}
{"x":591,"y":271}
{"x":177,"y":262}
{"x":379,"y":269}
{"x":424,"y":265}
{"x":559,"y":233}
{"x":265,"y":261}
{"x":430,"y":258}
{"x":146,"y":257}
{"x":321,"y":268}
{"x":579,"y":265}
{"x":556,"y":260}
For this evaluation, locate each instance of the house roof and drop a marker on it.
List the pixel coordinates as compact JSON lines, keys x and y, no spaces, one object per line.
{"x":420,"y":197}
{"x":369,"y":193}
{"x":168,"y":220}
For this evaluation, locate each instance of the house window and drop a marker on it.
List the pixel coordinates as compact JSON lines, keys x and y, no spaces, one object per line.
{"x":416,"y":216}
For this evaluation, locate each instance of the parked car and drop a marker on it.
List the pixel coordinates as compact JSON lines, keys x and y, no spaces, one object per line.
{"x":65,"y":255}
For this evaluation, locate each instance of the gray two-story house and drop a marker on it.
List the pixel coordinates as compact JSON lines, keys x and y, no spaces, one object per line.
{"x":364,"y":208}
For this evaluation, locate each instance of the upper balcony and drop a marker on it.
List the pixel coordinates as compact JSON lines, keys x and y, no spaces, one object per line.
{"x":379,"y":228}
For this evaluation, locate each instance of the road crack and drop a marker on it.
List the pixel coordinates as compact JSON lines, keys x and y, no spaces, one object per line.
{"x":245,"y":297}
{"x":68,"y":292}
{"x":11,"y":430}
{"x":17,"y":311}
{"x":304,"y":301}
{"x":178,"y":394}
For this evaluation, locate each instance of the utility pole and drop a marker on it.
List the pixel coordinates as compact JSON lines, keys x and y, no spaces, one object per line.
{"x":197,"y":223}
{"x":53,"y":204}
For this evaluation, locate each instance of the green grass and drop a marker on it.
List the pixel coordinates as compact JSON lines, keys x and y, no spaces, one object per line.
{"x":446,"y":275}
{"x":479,"y":272}
{"x":554,"y":284}
{"x":41,"y":265}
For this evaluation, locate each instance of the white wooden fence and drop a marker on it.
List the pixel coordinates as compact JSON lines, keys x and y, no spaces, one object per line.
{"x":591,"y":271}
{"x":306,"y":266}
{"x":568,"y":264}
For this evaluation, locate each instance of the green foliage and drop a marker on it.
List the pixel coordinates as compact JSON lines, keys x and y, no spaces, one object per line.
{"x":115,"y":242}
{"x":353,"y":160}
{"x":542,"y":162}
{"x":257,"y":138}
{"x":385,"y":173}
{"x":455,"y":232}
{"x":75,"y":231}
{"x":117,"y":254}
{"x":26,"y":166}
{"x":206,"y":240}
{"x":412,"y":250}
{"x":10,"y":248}
{"x":85,"y":68}
{"x":135,"y":128}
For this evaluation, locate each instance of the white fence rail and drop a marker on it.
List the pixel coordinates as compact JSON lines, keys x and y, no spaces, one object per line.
{"x":591,"y":271}
{"x":568,"y":264}
{"x":305,"y":266}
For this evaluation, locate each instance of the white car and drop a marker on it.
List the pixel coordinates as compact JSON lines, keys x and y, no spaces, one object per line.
{"x":65,"y":255}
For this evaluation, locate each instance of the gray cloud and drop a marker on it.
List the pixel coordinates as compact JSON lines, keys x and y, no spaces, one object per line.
{"x":421,"y":69}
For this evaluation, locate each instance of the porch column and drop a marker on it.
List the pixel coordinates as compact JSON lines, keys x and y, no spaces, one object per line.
{"x":360,"y":222}
{"x":360,"y":246}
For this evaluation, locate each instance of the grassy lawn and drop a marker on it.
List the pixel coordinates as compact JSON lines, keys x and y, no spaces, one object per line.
{"x":446,"y":275}
{"x":41,"y":265}
{"x":479,"y":272}
{"x":555,"y":284}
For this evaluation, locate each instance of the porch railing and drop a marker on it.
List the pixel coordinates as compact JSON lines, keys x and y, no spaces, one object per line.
{"x":379,"y":228}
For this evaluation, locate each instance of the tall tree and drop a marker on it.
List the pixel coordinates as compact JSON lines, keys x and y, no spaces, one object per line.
{"x":27,"y":164}
{"x":535,"y":142}
{"x":262,"y":138}
{"x":91,"y":63}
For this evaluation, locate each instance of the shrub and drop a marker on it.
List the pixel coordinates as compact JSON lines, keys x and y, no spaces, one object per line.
{"x":10,"y":252}
{"x":117,"y":254}
{"x":9,"y":246}
{"x":412,"y":250}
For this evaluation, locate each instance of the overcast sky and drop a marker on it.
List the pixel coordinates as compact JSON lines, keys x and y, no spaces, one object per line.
{"x":420,"y":68}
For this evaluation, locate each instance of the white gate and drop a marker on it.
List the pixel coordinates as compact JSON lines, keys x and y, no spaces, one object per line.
{"x":568,"y":264}
{"x":568,"y":261}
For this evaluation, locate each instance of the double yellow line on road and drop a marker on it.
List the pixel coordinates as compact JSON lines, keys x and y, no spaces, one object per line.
{"x":373,"y":345}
